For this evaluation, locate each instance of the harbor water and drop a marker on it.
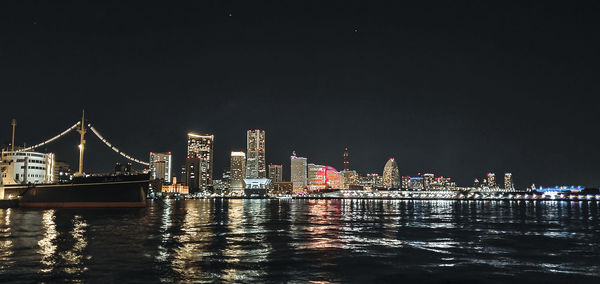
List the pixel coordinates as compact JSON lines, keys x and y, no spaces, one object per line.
{"x":274,"y":241}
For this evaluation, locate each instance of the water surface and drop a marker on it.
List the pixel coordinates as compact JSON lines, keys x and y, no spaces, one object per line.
{"x":305,"y":240}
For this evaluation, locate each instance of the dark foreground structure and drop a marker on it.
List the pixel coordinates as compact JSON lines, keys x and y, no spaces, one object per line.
{"x":93,"y":191}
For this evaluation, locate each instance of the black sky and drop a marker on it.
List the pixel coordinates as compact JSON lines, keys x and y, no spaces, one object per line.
{"x":456,"y":88}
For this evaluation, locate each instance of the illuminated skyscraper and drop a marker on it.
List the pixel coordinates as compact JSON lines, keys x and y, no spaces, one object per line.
{"x":298,"y":172}
{"x":160,"y":166}
{"x":346,"y":159}
{"x":276,"y":173}
{"x":491,"y":179}
{"x":391,"y":174}
{"x":238,"y":172}
{"x":199,"y":161}
{"x":255,"y":154}
{"x":508,"y":181}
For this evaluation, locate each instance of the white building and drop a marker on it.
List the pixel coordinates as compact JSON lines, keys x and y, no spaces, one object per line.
{"x":298,"y":172}
{"x":21,"y":167}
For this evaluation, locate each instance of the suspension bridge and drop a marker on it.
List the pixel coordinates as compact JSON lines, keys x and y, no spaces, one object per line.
{"x":80,"y":126}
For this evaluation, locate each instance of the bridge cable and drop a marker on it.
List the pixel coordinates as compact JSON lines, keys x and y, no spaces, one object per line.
{"x":51,"y":139}
{"x":115,"y":148}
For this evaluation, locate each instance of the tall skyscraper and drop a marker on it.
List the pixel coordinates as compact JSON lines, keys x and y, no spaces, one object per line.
{"x":237,"y":171}
{"x":298,"y":172}
{"x":508,"y":181}
{"x":391,"y":174}
{"x":255,"y":154}
{"x":160,"y":166}
{"x":346,"y":159}
{"x":199,"y":161}
{"x":276,"y":173}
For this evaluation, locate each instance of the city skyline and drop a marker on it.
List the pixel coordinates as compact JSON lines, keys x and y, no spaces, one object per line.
{"x":386,"y":80}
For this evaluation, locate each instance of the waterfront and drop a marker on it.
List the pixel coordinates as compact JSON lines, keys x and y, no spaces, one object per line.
{"x":301,"y":240}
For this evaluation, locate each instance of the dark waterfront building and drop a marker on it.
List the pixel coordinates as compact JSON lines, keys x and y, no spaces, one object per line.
{"x":62,"y":172}
{"x":282,"y":187}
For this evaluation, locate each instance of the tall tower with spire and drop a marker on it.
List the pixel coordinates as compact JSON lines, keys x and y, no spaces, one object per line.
{"x":346,"y":159}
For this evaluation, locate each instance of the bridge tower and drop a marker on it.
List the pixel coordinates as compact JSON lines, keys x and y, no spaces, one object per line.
{"x":82,"y":132}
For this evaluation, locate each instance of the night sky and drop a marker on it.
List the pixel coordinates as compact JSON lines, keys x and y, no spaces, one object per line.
{"x":454,"y":88}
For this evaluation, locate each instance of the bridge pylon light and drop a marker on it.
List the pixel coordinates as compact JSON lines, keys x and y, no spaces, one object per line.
{"x":81,"y":131}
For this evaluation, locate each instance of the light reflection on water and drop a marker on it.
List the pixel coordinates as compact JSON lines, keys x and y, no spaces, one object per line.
{"x":47,"y":245}
{"x":304,"y":240}
{"x":6,"y":242}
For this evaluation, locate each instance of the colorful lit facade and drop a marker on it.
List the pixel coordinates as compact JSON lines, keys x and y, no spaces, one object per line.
{"x":564,"y":188}
{"x":322,"y":177}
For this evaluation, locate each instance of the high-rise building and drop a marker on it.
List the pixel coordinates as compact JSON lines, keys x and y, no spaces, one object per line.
{"x":508,"y":181}
{"x":199,"y":161}
{"x":391,"y":174}
{"x":298,"y":172}
{"x":160,"y":166}
{"x":346,"y":159}
{"x":276,"y":173}
{"x":491,"y":180}
{"x":237,"y":172}
{"x":255,"y":154}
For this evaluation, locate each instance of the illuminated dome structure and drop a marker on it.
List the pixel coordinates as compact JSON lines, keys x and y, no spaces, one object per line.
{"x":324,"y":177}
{"x":391,"y":174}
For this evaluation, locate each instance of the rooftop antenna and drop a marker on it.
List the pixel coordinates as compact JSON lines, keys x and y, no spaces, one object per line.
{"x":14,"y":125}
{"x":81,"y":131}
